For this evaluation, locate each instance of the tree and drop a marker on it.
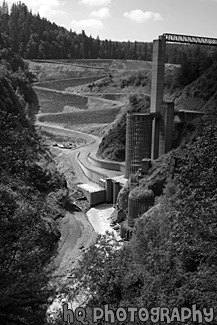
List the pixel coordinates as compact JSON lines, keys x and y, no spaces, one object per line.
{"x":28,"y":232}
{"x":32,"y":47}
{"x":171,"y":259}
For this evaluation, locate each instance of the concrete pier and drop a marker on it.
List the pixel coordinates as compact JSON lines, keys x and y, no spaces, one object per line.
{"x":166,"y":128}
{"x":157,"y":87}
{"x":116,"y":189}
{"x":109,"y":190}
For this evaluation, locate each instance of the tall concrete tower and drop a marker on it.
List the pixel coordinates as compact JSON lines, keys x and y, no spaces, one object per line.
{"x":157,"y":87}
{"x":138,"y":141}
{"x":150,"y":135}
{"x":165,"y":124}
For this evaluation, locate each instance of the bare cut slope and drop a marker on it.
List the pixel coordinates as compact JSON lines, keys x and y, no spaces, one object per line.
{"x":110,"y":64}
{"x":62,"y":102}
{"x":62,"y":84}
{"x":56,"y":71}
{"x":100,"y":116}
{"x":126,"y":77}
{"x":54,"y":102}
{"x":95,"y":63}
{"x":82,"y":68}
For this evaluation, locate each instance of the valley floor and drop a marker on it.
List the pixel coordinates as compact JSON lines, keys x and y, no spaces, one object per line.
{"x":78,"y":229}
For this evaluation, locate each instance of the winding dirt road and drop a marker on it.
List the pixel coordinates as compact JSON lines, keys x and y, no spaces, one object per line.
{"x":90,"y":147}
{"x":76,"y":230}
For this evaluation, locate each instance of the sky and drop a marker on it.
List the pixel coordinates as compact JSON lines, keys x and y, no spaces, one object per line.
{"x":133,"y":20}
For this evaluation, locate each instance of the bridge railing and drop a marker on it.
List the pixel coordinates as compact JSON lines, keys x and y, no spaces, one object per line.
{"x":190,"y":39}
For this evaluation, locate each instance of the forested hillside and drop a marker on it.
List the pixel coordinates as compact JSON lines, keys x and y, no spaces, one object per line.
{"x":34,"y":37}
{"x":113,"y":143}
{"x":31,"y":199}
{"x":171,"y":259}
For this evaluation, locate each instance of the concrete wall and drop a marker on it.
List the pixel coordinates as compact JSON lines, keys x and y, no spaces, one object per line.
{"x":188,"y":116}
{"x":106,"y":164}
{"x":112,"y":186}
{"x":90,"y":174}
{"x":116,"y":189}
{"x":97,"y":198}
{"x":106,"y":193}
{"x":109,"y":190}
{"x":94,"y":197}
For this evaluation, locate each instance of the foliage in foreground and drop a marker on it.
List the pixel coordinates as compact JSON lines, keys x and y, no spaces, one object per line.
{"x":27,"y":175}
{"x":171,"y":259}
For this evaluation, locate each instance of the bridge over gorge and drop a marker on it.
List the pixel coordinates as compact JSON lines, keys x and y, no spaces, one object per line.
{"x":150,"y":135}
{"x":158,"y":65}
{"x":158,"y":62}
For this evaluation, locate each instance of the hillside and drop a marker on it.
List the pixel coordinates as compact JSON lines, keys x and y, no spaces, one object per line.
{"x":112,"y":145}
{"x":34,"y":37}
{"x":171,"y":259}
{"x":200,"y":94}
{"x":32,"y":195}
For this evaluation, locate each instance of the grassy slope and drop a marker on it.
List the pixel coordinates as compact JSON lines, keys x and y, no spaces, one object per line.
{"x":113,"y":143}
{"x":65,"y":83}
{"x":55,"y":71}
{"x":199,"y":95}
{"x":32,"y":195}
{"x":99,"y":111}
{"x":54,"y":102}
{"x":100,"y":116}
{"x":112,"y":64}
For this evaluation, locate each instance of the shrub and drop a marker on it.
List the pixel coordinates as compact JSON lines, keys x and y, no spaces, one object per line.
{"x":142,"y":194}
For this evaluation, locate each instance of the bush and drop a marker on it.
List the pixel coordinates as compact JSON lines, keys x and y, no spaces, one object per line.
{"x":142,"y":194}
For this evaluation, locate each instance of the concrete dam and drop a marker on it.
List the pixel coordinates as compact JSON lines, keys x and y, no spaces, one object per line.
{"x":148,"y":136}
